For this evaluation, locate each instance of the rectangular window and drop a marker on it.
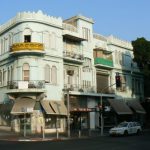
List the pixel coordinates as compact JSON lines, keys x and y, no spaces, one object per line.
{"x":27,"y":38}
{"x":8,"y":76}
{"x":5,"y":78}
{"x":26,"y":75}
{"x":86,"y":33}
{"x":123,"y":81}
{"x":12,"y":70}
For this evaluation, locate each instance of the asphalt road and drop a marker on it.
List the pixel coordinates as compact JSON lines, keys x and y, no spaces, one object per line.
{"x":133,"y":142}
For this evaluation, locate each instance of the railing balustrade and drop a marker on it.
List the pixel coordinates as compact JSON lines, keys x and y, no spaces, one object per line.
{"x":80,"y":88}
{"x":32,"y":84}
{"x":73,"y":55}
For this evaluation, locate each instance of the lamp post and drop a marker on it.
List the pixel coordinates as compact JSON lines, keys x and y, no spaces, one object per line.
{"x":101,"y":113}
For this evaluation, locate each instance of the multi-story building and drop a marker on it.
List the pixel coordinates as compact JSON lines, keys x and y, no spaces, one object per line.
{"x":46,"y":62}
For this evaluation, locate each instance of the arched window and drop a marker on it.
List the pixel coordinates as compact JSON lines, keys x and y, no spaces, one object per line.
{"x":26,"y":72}
{"x":54,"y":75}
{"x":47,"y":73}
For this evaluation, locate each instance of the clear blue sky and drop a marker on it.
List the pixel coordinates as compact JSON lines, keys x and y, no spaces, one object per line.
{"x":126,"y":19}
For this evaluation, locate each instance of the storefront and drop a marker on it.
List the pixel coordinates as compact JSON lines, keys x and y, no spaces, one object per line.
{"x":79,"y":113}
{"x":55,"y":113}
{"x":138,"y":111}
{"x":37,"y":116}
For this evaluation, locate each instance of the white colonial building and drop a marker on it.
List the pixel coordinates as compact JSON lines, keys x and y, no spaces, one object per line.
{"x":46,"y":62}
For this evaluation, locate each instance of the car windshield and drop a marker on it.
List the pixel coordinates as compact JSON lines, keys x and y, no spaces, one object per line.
{"x":123,"y":124}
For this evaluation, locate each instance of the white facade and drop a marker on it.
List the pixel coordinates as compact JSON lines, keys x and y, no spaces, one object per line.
{"x":43,"y":55}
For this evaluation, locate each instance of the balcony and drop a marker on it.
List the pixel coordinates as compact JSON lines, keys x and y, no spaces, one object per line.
{"x":71,"y":32}
{"x":27,"y":47}
{"x":80,"y":88}
{"x":32,"y":86}
{"x":73,"y":57}
{"x":103,"y":63}
{"x":106,"y":91}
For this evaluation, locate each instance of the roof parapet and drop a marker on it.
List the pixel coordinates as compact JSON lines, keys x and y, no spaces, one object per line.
{"x":90,"y":20}
{"x":31,"y":16}
{"x":119,"y":42}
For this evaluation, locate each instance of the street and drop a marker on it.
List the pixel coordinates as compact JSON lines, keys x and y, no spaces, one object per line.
{"x":133,"y":142}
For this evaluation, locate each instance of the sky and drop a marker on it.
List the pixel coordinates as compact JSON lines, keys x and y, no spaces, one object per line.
{"x":125,"y":19}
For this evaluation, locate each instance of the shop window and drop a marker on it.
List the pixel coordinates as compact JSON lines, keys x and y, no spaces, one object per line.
{"x":51,"y":122}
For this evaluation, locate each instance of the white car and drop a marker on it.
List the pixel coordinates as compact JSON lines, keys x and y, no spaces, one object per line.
{"x":125,"y":128}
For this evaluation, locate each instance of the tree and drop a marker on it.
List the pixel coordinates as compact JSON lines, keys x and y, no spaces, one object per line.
{"x":141,"y":50}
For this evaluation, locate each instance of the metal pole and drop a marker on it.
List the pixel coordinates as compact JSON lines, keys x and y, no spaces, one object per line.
{"x":102,"y":124}
{"x":101,"y":113}
{"x":24,"y":124}
{"x":57,"y":133}
{"x":43,"y":130}
{"x":68,"y":117}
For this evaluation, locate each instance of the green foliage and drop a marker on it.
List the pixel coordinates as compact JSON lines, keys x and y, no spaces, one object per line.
{"x":141,"y":49}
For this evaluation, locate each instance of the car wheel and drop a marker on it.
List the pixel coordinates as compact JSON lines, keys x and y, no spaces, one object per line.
{"x":125,"y":133}
{"x":138,"y":132}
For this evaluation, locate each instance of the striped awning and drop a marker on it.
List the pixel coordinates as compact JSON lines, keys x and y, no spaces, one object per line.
{"x":54,"y":107}
{"x":120,"y":107}
{"x":136,"y":106}
{"x":23,"y":105}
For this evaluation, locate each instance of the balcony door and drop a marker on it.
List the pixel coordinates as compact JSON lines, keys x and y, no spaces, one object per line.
{"x":26,"y":72}
{"x":102,"y":82}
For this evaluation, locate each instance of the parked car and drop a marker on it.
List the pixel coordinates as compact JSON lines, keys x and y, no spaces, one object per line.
{"x":125,"y":128}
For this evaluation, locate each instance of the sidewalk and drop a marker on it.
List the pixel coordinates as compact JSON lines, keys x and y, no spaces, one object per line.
{"x":7,"y":135}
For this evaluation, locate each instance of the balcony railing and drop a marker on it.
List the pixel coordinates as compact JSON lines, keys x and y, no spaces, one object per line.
{"x":80,"y":88}
{"x":106,"y":91}
{"x":73,"y":55}
{"x":32,"y":46}
{"x":69,"y":27}
{"x":103,"y":61}
{"x":32,"y":84}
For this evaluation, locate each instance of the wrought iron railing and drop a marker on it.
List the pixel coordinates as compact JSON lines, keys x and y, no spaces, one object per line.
{"x":73,"y":55}
{"x":106,"y":91}
{"x":80,"y":88}
{"x":69,"y":27}
{"x":32,"y":84}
